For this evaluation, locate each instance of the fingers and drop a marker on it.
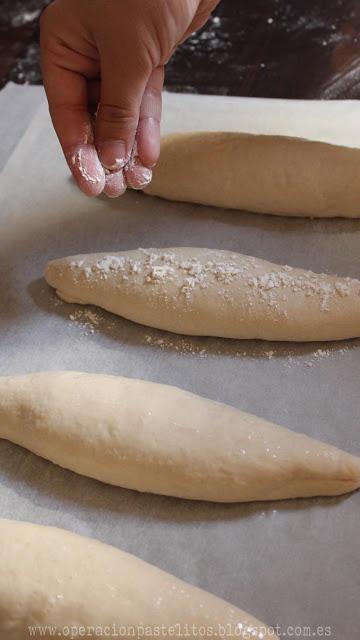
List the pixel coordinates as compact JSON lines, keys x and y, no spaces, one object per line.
{"x":122,"y":89}
{"x":148,"y":132}
{"x":146,"y":151}
{"x":68,"y":104}
{"x":115,"y":184}
{"x":124,"y":109}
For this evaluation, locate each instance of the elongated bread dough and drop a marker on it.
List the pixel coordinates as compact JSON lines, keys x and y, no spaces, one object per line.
{"x":265,"y":174}
{"x":160,"y":439}
{"x":212,"y":293}
{"x":53,"y":577}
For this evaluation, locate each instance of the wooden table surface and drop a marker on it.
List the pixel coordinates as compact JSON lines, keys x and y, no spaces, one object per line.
{"x":277,"y":48}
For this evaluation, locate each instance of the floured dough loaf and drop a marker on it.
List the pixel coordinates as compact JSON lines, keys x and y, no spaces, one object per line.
{"x":265,"y":174}
{"x":53,"y":577}
{"x":156,"y":438}
{"x":212,"y":293}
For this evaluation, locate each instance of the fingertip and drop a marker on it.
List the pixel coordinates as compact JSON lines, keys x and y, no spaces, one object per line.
{"x":115,"y":185}
{"x":137,"y":176}
{"x":86,"y":169}
{"x":112,"y":154}
{"x":148,"y":141}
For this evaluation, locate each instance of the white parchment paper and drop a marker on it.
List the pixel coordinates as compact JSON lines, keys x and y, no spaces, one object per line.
{"x":292,"y":563}
{"x":18,"y":105}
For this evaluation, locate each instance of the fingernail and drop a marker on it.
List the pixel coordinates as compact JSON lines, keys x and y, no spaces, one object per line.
{"x":86,"y":167}
{"x":112,"y":154}
{"x":136,"y":175}
{"x":115,"y":185}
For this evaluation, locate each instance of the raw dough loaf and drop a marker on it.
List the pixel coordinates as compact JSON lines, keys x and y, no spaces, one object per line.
{"x":156,"y":438}
{"x":53,"y":577}
{"x":212,"y":293}
{"x":266,"y":174}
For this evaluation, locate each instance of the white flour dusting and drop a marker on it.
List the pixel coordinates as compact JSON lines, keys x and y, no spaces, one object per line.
{"x":86,"y":320}
{"x":77,"y":161}
{"x":156,"y":268}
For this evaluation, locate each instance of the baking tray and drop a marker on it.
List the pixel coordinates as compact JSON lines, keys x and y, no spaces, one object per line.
{"x":292,"y":563}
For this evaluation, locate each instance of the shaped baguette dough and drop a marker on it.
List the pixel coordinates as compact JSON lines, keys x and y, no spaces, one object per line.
{"x":160,"y":439}
{"x":45,"y":580}
{"x":265,"y":174}
{"x":212,"y":293}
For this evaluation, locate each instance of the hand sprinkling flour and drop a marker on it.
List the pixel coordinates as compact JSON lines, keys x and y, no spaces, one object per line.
{"x":103,"y":67}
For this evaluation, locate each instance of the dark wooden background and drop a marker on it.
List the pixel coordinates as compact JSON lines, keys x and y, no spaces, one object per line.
{"x":269,"y":48}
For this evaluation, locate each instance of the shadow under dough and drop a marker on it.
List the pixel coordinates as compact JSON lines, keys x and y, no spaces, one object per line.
{"x":127,"y":332}
{"x":53,"y":487}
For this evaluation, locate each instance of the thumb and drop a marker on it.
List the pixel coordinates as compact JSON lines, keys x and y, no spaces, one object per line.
{"x":122,"y":90}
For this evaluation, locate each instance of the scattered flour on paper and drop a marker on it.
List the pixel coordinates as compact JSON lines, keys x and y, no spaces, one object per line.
{"x":93,"y":321}
{"x":86,"y":320}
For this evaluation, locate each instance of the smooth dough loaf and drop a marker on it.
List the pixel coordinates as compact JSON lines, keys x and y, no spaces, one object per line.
{"x":212,"y":293}
{"x":264,"y":174}
{"x":160,"y":439}
{"x":53,"y":578}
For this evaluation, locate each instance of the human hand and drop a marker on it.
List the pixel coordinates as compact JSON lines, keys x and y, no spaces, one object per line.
{"x":103,"y":68}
